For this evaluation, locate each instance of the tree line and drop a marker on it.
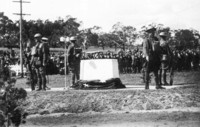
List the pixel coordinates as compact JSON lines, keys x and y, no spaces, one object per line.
{"x":120,"y":35}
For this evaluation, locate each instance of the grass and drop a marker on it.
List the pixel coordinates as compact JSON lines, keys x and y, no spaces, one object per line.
{"x":80,"y":101}
{"x":180,"y":78}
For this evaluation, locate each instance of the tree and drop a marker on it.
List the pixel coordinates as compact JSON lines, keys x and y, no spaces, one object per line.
{"x":71,"y":27}
{"x":8,"y":31}
{"x":127,"y":34}
{"x":185,"y":39}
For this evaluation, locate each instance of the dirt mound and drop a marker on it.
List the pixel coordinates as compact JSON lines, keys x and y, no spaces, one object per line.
{"x":137,"y":119}
{"x":81,"y":101}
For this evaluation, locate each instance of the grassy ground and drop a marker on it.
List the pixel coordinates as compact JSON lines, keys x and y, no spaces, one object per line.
{"x":150,"y":119}
{"x":116,"y":107}
{"x":79,"y":101}
{"x":180,"y":78}
{"x":108,"y":102}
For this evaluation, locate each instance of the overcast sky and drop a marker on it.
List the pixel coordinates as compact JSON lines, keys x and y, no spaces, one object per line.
{"x":105,"y":13}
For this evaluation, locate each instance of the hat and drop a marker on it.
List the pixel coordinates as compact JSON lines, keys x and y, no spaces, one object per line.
{"x":6,"y":35}
{"x":44,"y":39}
{"x":150,"y":29}
{"x":37,"y":35}
{"x":162,"y":34}
{"x":73,"y":39}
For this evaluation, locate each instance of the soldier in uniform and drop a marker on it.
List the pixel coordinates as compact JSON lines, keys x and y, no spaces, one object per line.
{"x":47,"y":53}
{"x":31,"y":75}
{"x":151,"y":54}
{"x":39,"y":60}
{"x":166,"y":55}
{"x":73,"y":61}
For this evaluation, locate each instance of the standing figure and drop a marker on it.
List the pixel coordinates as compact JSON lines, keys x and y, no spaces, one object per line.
{"x":39,"y":61}
{"x":166,"y":55}
{"x":73,"y":61}
{"x":47,"y":53}
{"x":31,"y":75}
{"x":151,"y":52}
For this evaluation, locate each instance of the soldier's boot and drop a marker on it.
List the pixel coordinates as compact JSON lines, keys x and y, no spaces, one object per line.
{"x":32,"y":86}
{"x":147,"y":85}
{"x":39,"y":85}
{"x":160,"y":77}
{"x":143,"y":76}
{"x":165,"y":78}
{"x":43,"y":84}
{"x":171,"y":77}
{"x":146,"y":80}
{"x":158,"y":85}
{"x":72,"y":80}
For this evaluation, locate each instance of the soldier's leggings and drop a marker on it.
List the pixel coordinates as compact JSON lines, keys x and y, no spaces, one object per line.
{"x":163,"y":76}
{"x":75,"y":73}
{"x":41,"y":78}
{"x":163,"y":72}
{"x":31,"y":80}
{"x":146,"y":74}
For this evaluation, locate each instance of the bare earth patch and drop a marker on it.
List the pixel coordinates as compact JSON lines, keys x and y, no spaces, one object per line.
{"x":121,"y":107}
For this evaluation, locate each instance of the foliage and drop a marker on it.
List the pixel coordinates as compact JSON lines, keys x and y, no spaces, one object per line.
{"x":119,"y":35}
{"x":126,"y":34}
{"x":185,"y":39}
{"x":13,"y":99}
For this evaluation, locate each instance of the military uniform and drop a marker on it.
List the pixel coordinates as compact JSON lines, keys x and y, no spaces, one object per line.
{"x":47,"y":57}
{"x":151,"y":52}
{"x":166,"y":55}
{"x":31,"y":75}
{"x":39,"y":60}
{"x":73,"y":61}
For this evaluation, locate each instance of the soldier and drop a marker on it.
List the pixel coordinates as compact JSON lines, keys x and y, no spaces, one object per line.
{"x":39,"y":61}
{"x":120,"y":63}
{"x":73,"y":61}
{"x":151,"y":54}
{"x":166,"y":55}
{"x":47,"y":53}
{"x":129,"y":63}
{"x":31,"y":75}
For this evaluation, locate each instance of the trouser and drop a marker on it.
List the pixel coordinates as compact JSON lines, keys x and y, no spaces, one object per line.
{"x":75,"y":73}
{"x":41,"y":77}
{"x":163,"y":76}
{"x":163,"y":72}
{"x":31,"y":77}
{"x":146,"y":75}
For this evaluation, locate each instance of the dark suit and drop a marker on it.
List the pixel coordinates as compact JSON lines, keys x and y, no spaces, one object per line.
{"x":73,"y":62}
{"x":151,"y":49}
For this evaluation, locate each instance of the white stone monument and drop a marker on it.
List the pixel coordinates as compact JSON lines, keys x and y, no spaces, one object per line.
{"x":99,"y":69}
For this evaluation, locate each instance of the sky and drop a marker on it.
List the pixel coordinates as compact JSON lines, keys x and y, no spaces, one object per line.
{"x":176,"y":14}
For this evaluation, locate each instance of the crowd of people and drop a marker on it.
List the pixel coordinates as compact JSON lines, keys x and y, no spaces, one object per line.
{"x":39,"y":61}
{"x":129,"y":61}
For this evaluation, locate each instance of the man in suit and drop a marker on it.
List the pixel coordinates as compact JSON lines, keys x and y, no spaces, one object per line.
{"x":151,"y":54}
